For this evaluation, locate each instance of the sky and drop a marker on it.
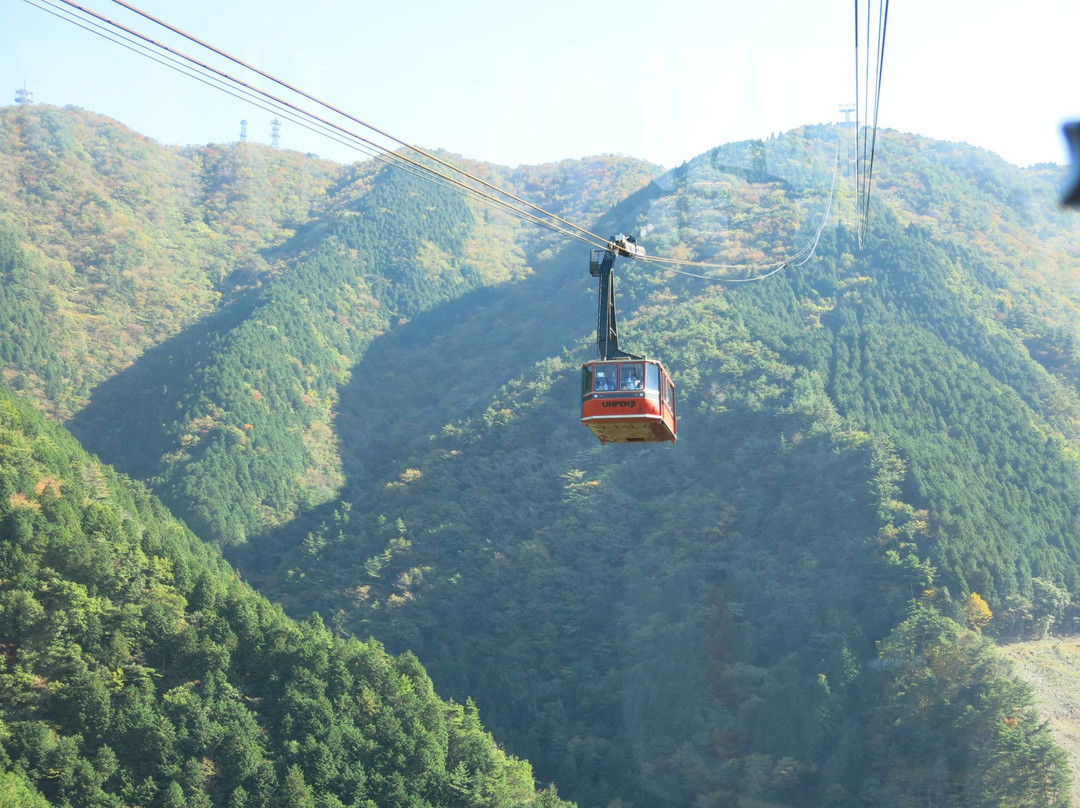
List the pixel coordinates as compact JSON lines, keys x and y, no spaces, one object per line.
{"x":521,"y":83}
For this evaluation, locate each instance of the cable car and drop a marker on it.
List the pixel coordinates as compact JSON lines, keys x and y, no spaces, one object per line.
{"x":629,"y":401}
{"x":624,"y":398}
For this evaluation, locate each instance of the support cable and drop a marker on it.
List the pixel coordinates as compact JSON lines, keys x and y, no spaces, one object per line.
{"x":865,"y":131}
{"x":343,"y":113}
{"x":884,"y":17}
{"x":796,"y":260}
{"x":576,"y":233}
{"x":174,"y":64}
{"x":494,"y":196}
{"x":243,"y":94}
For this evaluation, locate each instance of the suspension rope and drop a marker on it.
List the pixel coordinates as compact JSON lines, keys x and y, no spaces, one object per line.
{"x":884,"y":17}
{"x":798,"y":259}
{"x":395,"y":157}
{"x":493,"y":196}
{"x":858,"y":151}
{"x":865,"y":150}
{"x":343,"y":113}
{"x":174,"y":64}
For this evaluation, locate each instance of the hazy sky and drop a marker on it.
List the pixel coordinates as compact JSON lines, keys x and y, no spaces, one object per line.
{"x":513,"y":82}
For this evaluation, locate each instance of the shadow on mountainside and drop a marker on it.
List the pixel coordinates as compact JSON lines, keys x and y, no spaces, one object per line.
{"x":441,"y":367}
{"x":445,"y":365}
{"x":124,"y":423}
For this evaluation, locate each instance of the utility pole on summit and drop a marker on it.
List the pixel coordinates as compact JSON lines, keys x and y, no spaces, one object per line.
{"x":275,"y":132}
{"x":24,"y":96}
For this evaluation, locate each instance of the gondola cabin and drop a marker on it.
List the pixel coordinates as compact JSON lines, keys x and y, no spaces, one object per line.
{"x":628,"y":401}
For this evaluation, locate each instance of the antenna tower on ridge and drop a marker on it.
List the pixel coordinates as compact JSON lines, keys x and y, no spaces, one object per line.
{"x":275,"y":132}
{"x":243,"y":131}
{"x":24,"y":96}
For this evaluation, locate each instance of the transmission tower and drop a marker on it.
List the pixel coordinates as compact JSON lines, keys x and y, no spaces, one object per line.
{"x":847,"y":109}
{"x":24,"y":96}
{"x":243,"y":131}
{"x":275,"y":132}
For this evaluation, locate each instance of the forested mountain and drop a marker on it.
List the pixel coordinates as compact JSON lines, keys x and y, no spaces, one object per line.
{"x":374,"y":410}
{"x":258,"y":276}
{"x":686,"y":624}
{"x":110,"y":243}
{"x":140,"y":670}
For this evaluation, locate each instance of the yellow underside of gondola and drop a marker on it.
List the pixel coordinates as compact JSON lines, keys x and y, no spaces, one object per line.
{"x":621,"y":430}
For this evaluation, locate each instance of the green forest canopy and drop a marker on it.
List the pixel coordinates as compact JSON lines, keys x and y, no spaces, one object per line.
{"x":140,"y":669}
{"x":781,"y":609}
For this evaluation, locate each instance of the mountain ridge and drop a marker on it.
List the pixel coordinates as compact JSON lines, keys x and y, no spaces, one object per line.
{"x":777,"y":609}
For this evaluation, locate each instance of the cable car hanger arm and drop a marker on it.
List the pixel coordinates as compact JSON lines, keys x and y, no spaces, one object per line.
{"x":602,"y":265}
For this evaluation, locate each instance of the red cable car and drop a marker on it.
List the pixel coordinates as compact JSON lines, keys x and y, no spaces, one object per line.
{"x":624,"y":398}
{"x":628,"y":401}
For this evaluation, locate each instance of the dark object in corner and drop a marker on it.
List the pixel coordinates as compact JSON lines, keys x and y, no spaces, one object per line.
{"x":1071,"y":196}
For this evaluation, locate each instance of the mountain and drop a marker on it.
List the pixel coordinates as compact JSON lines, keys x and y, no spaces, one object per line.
{"x":141,"y":670}
{"x":110,"y":243}
{"x":793,"y":605}
{"x":867,"y":442}
{"x":222,"y":248}
{"x":1050,"y":664}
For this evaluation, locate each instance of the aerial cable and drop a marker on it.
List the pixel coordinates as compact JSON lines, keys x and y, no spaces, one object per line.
{"x":884,"y":17}
{"x":209,"y":80}
{"x":800,"y":257}
{"x":858,"y":118}
{"x":193,"y":73}
{"x":320,"y":102}
{"x":393,"y":156}
{"x":378,"y":151}
{"x":865,"y":150}
{"x":863,"y":201}
{"x":591,"y":238}
{"x":205,"y":74}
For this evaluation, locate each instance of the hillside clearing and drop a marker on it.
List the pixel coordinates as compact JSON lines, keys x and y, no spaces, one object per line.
{"x":1052,"y":666}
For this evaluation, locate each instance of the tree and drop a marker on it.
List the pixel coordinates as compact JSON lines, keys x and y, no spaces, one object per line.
{"x":172,"y":796}
{"x":16,"y":791}
{"x":1048,"y":605}
{"x":294,"y":791}
{"x":976,"y":611}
